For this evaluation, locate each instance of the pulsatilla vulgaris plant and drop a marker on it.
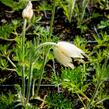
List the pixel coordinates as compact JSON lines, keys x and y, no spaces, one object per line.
{"x":28,"y":54}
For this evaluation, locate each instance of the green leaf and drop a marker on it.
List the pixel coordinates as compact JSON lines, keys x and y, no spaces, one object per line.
{"x":14,"y":5}
{"x":3,"y":63}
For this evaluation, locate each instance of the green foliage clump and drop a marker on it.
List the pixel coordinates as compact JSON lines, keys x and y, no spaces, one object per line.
{"x":74,"y":77}
{"x":6,"y":101}
{"x":6,"y":30}
{"x":58,"y":101}
{"x":14,"y":5}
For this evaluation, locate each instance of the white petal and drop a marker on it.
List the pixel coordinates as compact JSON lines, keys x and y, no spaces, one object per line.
{"x":29,"y":5}
{"x":61,"y":58}
{"x":70,"y":50}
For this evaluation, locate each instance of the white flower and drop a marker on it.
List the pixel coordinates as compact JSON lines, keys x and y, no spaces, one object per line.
{"x":28,"y":11}
{"x":64,"y":52}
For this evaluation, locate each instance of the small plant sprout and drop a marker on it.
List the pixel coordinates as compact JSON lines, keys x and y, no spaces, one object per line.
{"x":28,"y":11}
{"x":64,"y":52}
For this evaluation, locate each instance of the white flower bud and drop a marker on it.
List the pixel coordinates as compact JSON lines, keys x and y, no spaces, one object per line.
{"x":64,"y":52}
{"x":28,"y":11}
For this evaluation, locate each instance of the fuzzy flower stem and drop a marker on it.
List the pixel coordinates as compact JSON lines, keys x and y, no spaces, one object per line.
{"x":52,"y":19}
{"x":29,"y":82}
{"x":46,"y":44}
{"x":41,"y":75}
{"x":33,"y":86}
{"x":42,"y":45}
{"x":23,"y":56}
{"x":71,"y":5}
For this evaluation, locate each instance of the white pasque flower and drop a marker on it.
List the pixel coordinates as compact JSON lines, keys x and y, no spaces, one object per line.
{"x":28,"y":11}
{"x":64,"y":52}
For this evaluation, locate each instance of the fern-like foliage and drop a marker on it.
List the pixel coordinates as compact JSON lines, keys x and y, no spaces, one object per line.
{"x":6,"y":30}
{"x":73,"y":77}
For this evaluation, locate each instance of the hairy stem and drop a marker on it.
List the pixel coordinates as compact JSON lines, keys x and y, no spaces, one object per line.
{"x":23,"y":57}
{"x":52,"y":19}
{"x":84,"y":5}
{"x":41,"y":75}
{"x":42,"y":45}
{"x":33,"y":86}
{"x":71,"y":6}
{"x":94,"y":94}
{"x":29,"y":82}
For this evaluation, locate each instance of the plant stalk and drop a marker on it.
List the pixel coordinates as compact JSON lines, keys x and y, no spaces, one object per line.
{"x":52,"y":19}
{"x":23,"y":57}
{"x":29,"y":82}
{"x":94,"y":94}
{"x":42,"y":72}
{"x":33,"y":86}
{"x":72,"y":5}
{"x":84,"y":5}
{"x":42,"y":45}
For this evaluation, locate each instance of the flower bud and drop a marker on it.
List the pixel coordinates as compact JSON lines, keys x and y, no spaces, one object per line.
{"x":28,"y":11}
